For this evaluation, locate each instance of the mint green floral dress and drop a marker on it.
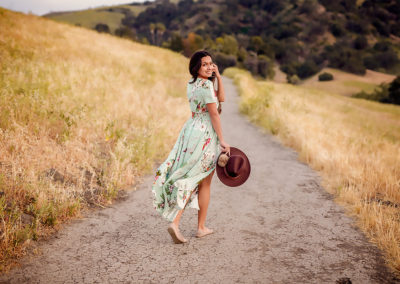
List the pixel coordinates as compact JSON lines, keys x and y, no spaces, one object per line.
{"x":193,"y":157}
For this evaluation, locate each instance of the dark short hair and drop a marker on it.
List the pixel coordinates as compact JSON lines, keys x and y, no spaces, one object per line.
{"x":195,"y":63}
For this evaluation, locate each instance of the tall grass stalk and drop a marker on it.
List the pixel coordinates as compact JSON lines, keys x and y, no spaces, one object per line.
{"x":82,"y":115}
{"x":354,"y":144}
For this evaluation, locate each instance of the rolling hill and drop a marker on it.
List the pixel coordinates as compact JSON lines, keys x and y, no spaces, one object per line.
{"x":82,"y":116}
{"x":303,"y":37}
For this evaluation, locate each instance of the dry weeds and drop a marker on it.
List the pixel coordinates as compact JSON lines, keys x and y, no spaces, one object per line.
{"x":82,"y":115}
{"x":355,"y":144}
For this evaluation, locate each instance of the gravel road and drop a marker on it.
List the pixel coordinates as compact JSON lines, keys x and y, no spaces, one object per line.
{"x":279,"y":227}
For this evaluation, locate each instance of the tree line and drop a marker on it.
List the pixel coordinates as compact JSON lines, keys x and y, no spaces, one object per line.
{"x":302,"y":36}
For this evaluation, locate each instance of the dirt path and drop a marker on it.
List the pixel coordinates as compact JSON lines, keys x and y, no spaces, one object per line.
{"x":279,"y":227}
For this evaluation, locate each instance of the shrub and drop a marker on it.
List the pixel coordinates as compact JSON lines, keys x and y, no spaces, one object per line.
{"x":265,"y":67}
{"x":394,"y":91}
{"x":380,"y":94}
{"x":294,"y":79}
{"x":360,"y":42}
{"x":325,"y":77}
{"x":125,"y":32}
{"x":307,"y":69}
{"x":224,"y":61}
{"x":176,"y":43}
{"x":102,"y":28}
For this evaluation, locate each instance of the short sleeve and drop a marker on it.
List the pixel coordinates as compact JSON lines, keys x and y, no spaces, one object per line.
{"x":207,"y":90}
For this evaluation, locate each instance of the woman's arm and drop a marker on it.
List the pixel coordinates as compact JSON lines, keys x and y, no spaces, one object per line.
{"x":220,"y":91}
{"x":216,"y":123}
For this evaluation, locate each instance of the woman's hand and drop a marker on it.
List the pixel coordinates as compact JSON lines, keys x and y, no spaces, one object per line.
{"x":215,"y":69}
{"x":226,"y":148}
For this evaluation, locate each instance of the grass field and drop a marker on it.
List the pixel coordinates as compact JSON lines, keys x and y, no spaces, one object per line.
{"x":348,"y":84}
{"x":82,"y":115}
{"x":353,"y":143}
{"x":90,"y":17}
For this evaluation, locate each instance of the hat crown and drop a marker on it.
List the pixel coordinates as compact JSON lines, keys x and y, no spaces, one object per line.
{"x":234,"y":165}
{"x":237,"y":169}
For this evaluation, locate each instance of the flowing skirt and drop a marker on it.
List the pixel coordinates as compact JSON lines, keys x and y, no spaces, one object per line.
{"x":193,"y":158}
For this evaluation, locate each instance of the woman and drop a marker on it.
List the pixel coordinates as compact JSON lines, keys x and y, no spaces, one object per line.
{"x":184,"y":178}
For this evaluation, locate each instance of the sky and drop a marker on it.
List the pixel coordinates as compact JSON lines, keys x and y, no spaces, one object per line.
{"x":41,"y":7}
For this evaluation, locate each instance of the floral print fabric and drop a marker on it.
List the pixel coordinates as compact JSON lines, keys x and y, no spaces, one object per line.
{"x":193,"y":157}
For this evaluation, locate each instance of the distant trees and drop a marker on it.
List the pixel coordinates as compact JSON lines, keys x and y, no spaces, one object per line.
{"x":254,"y":34}
{"x":156,"y":30}
{"x":342,"y":57}
{"x":192,"y":43}
{"x":176,"y":42}
{"x":224,"y":60}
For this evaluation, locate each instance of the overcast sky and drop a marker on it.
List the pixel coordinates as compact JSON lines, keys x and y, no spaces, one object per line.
{"x":41,"y":7}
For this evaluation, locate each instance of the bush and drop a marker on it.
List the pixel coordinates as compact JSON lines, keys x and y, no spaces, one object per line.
{"x":294,"y":79}
{"x":102,"y":28}
{"x":360,"y":42}
{"x":265,"y":67}
{"x":307,"y":69}
{"x":394,"y":91}
{"x":251,"y":63}
{"x":325,"y":77}
{"x":224,"y":61}
{"x":126,"y":33}
{"x":380,"y":94}
{"x":176,"y":43}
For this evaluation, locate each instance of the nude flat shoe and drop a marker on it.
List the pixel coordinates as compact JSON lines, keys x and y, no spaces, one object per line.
{"x":201,"y":233}
{"x":176,"y":234}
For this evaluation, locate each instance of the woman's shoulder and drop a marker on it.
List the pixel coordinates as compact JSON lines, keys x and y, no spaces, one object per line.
{"x":200,"y":84}
{"x":204,"y":83}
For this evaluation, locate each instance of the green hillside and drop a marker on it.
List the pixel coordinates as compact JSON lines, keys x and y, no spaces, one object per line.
{"x":301,"y":36}
{"x":111,"y":16}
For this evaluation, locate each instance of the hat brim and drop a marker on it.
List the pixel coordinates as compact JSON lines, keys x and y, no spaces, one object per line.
{"x":239,"y":180}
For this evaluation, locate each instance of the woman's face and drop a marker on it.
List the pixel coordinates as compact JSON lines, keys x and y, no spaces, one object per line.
{"x":206,"y":68}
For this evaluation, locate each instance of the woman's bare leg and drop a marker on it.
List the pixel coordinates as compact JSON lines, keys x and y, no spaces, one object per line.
{"x":179,"y":215}
{"x":178,"y":218}
{"x":204,"y":199}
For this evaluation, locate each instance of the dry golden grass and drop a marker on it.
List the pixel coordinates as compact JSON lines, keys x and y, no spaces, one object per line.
{"x":354,"y":143}
{"x":82,"y":115}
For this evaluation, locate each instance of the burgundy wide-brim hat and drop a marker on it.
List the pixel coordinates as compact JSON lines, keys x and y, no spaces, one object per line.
{"x":236,"y":171}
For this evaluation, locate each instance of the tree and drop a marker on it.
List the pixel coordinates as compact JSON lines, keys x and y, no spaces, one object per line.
{"x":159,"y":31}
{"x":156,"y":32}
{"x":360,"y":42}
{"x":230,"y":45}
{"x":256,"y":42}
{"x":265,"y":67}
{"x":192,"y":43}
{"x":307,"y":69}
{"x":176,"y":43}
{"x":224,"y":61}
{"x":394,"y":91}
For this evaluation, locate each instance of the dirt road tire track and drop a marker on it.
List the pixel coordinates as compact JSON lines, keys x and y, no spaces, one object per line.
{"x":279,"y":227}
